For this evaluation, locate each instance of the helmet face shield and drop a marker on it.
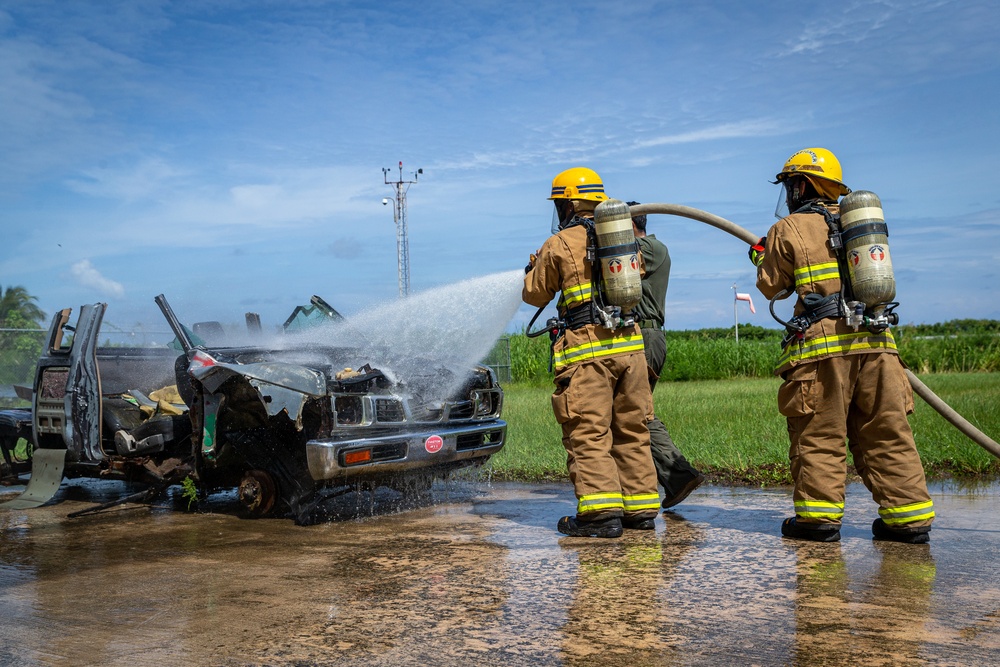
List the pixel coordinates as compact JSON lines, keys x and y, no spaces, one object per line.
{"x":795,"y":191}
{"x":781,"y":208}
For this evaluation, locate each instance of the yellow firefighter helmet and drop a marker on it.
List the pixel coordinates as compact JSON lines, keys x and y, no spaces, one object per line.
{"x":578,"y":183}
{"x":821,"y":167}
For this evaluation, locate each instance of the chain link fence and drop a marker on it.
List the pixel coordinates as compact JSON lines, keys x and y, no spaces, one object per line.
{"x":499,"y":359}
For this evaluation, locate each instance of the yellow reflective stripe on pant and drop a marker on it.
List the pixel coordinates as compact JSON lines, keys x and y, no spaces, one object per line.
{"x":600,"y":501}
{"x":815,"y":273}
{"x":602,"y":348}
{"x":827,"y":345}
{"x":819,"y":509}
{"x":642,"y":502}
{"x":894,"y":516}
{"x":575,"y":295}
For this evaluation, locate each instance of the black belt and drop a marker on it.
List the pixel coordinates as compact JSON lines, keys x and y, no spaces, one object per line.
{"x":580,"y":316}
{"x":649,"y":324}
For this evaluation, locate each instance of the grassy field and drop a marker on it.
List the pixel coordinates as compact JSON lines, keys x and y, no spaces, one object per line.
{"x":731,"y":429}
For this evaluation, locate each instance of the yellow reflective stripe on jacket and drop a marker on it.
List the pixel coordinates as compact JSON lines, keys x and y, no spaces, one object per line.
{"x":643,"y":501}
{"x":819,"y":509}
{"x":602,"y":348}
{"x":575,"y":295}
{"x":907,"y":513}
{"x":828,"y":345}
{"x":600,"y":501}
{"x":815,"y":273}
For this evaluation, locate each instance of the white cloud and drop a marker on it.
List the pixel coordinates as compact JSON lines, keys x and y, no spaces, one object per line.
{"x":746,"y":128}
{"x":256,"y":197}
{"x":85,"y":274}
{"x":146,"y":178}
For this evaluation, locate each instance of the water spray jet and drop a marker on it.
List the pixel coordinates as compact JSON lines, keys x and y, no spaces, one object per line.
{"x":429,"y":340}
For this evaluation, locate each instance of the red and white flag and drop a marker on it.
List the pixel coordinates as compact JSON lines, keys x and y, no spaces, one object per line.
{"x":743,"y":296}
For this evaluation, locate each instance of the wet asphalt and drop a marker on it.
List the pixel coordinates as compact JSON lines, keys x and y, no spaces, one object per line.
{"x":479,"y":576}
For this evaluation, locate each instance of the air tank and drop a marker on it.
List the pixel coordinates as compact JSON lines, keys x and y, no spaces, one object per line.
{"x":618,"y":254}
{"x":866,"y":244}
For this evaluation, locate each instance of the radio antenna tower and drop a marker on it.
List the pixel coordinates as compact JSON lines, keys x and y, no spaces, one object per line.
{"x":399,"y":217}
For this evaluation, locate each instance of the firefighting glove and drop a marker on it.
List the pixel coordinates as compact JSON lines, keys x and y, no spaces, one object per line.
{"x":756,"y":252}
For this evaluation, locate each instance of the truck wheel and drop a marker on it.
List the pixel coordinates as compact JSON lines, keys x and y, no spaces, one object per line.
{"x":258,"y":493}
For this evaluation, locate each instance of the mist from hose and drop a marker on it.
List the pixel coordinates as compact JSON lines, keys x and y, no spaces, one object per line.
{"x":429,"y":341}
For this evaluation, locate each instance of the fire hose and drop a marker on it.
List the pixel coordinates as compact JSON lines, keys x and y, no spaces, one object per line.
{"x":922,"y":390}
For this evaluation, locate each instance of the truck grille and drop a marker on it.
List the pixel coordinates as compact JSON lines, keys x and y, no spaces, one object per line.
{"x":388,"y":410}
{"x":428,"y":414}
{"x":462,"y":410}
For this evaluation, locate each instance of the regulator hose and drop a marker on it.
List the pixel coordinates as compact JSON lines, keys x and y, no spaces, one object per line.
{"x":922,"y":390}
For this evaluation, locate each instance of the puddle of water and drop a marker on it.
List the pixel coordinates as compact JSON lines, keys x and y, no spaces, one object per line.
{"x":481,"y":576}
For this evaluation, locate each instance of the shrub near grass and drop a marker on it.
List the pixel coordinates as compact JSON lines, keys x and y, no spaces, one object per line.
{"x":529,"y":359}
{"x":718,"y":359}
{"x":962,"y":354}
{"x":712,"y":354}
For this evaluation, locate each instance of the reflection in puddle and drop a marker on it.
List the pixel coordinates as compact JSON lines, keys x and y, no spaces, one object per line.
{"x":478,"y":575}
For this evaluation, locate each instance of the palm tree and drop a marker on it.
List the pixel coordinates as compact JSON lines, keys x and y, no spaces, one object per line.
{"x":16,"y":305}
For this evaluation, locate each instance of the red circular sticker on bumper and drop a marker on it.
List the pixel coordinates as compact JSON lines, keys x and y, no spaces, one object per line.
{"x":433,"y":444}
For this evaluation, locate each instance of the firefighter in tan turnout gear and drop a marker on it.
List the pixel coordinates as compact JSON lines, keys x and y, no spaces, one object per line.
{"x":602,"y":396}
{"x":843,"y":379}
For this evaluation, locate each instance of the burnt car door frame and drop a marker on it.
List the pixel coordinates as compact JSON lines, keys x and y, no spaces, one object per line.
{"x":74,"y":423}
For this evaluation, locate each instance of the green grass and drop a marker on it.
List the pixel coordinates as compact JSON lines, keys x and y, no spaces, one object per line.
{"x":958,"y":346}
{"x":732,"y":430}
{"x":729,"y":428}
{"x":944,"y":449}
{"x":534,"y":448}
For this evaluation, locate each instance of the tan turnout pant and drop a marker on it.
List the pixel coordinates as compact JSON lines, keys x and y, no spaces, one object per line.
{"x":602,"y":405}
{"x":863,"y":399}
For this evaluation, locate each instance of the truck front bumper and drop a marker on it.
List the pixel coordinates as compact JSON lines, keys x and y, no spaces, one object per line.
{"x":336,"y":459}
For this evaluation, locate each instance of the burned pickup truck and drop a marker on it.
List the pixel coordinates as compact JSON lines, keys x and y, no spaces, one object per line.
{"x":287,"y":422}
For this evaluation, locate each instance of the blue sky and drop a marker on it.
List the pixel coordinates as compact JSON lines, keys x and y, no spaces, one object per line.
{"x":229,"y":153}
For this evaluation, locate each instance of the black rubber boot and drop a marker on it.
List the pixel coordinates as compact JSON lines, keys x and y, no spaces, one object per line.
{"x":880,"y":531}
{"x":609,"y":527}
{"x":817,"y":532}
{"x":684,"y":492}
{"x":637,"y":523}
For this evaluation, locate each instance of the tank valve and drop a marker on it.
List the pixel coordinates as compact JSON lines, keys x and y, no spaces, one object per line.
{"x":855,"y":314}
{"x":612,"y":318}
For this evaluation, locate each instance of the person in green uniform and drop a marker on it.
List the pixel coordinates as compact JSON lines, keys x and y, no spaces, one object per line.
{"x":677,"y":477}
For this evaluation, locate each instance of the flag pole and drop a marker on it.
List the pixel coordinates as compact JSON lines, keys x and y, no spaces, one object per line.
{"x":736,"y":321}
